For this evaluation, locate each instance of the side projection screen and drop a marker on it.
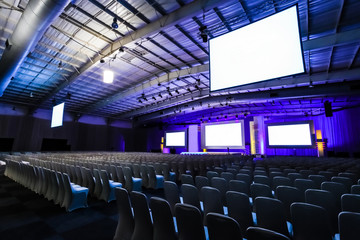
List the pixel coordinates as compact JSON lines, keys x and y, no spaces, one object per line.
{"x":296,"y":134}
{"x":267,"y":49}
{"x":223,"y":135}
{"x":57,"y":115}
{"x":175,"y":139}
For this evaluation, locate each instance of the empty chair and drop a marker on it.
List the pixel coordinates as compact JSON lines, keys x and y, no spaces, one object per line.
{"x":259,"y":172}
{"x":211,"y":200}
{"x":74,"y":197}
{"x":144,"y":176}
{"x":201,"y":181}
{"x":288,"y":195}
{"x":221,"y":227}
{"x":294,"y":176}
{"x":98,"y":184}
{"x":219,"y":170}
{"x":239,"y":208}
{"x":239,"y":186}
{"x":344,"y":180}
{"x":232,"y":170}
{"x":120,"y":175}
{"x":286,"y":171}
{"x":131,"y":183}
{"x":211,"y":174}
{"x":191,"y":195}
{"x":352,"y":176}
{"x":355,"y":189}
{"x":306,"y":172}
{"x":244,"y":177}
{"x":337,"y":189}
{"x":187,"y":179}
{"x":143,"y":225}
{"x":350,"y":203}
{"x":317,"y":179}
{"x":326,"y":200}
{"x":155,"y":181}
{"x":108,"y":190}
{"x":304,"y":184}
{"x":125,"y":226}
{"x":90,"y":182}
{"x":270,"y":214}
{"x":262,"y":180}
{"x":221,"y":185}
{"x":171,"y":192}
{"x":61,"y":193}
{"x":114,"y":175}
{"x":258,"y":233}
{"x":168,"y":175}
{"x":349,"y":223}
{"x":280,"y":181}
{"x":310,"y":222}
{"x":260,"y":190}
{"x":326,"y":174}
{"x":136,"y":170}
{"x":189,"y":222}
{"x":275,"y":174}
{"x":227,"y":176}
{"x":163,"y":223}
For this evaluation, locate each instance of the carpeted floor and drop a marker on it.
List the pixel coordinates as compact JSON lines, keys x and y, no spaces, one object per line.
{"x":26,"y":215}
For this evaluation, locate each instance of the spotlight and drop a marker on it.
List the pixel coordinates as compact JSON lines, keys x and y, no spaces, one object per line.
{"x":160,"y":95}
{"x":159,"y":84}
{"x":178,"y":78}
{"x":60,"y":65}
{"x":177,"y":91}
{"x":197,"y":87}
{"x":170,"y":94}
{"x":189,"y":90}
{"x":203,"y":34}
{"x":68,"y":95}
{"x":114,"y":24}
{"x":209,"y":119}
{"x":140,"y":101}
{"x":198,"y":82}
{"x":236,"y":116}
{"x":154,"y":98}
{"x":121,"y":49}
{"x":102,"y":60}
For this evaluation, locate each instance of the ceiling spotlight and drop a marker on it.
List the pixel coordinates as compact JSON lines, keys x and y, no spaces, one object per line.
{"x":177,"y":91}
{"x":114,"y":24}
{"x":121,"y":49}
{"x":189,"y":90}
{"x":170,"y":94}
{"x":160,"y":95}
{"x":60,"y":65}
{"x":154,"y":98}
{"x":203,"y":33}
{"x":197,"y":87}
{"x":68,"y":95}
{"x":102,"y":60}
{"x":140,"y":101}
{"x":159,"y":84}
{"x":178,"y":78}
{"x":198,"y":82}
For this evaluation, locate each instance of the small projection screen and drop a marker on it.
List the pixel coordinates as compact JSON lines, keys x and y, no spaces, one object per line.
{"x":291,"y":134}
{"x":57,"y":115}
{"x":223,"y":135}
{"x":267,"y":49}
{"x":176,"y":139}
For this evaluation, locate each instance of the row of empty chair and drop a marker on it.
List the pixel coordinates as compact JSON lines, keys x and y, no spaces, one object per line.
{"x":54,"y":186}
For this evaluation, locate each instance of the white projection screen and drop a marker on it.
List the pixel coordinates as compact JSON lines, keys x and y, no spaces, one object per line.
{"x":57,"y":115}
{"x":175,"y":139}
{"x":223,"y":135}
{"x":291,"y":134}
{"x":267,"y":49}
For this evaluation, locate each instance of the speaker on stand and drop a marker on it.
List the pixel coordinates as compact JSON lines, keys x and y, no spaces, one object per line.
{"x":328,"y":109}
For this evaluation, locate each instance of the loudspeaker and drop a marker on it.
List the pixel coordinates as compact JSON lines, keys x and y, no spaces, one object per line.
{"x":328,"y":109}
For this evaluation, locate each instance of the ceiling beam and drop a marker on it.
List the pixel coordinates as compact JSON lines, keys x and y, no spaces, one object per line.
{"x":188,"y":11}
{"x":304,"y":92}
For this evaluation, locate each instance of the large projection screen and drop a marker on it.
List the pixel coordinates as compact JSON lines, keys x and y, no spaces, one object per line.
{"x":223,"y":135}
{"x":267,"y":49}
{"x":175,"y":139}
{"x":57,"y":115}
{"x":291,"y":134}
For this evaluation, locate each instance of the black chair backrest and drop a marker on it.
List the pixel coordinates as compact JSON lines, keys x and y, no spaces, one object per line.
{"x":125,"y":226}
{"x":349,"y":223}
{"x":350,"y":203}
{"x":189,"y":222}
{"x":212,"y":201}
{"x":221,"y":227}
{"x":172,"y":195}
{"x":288,"y":195}
{"x":190,"y":195}
{"x":258,"y":233}
{"x":143,"y":225}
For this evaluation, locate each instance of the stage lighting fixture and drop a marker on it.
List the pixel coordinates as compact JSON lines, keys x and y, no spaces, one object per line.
{"x":177,"y":91}
{"x":160,"y":95}
{"x":68,"y":96}
{"x":189,"y":90}
{"x":197,"y":87}
{"x":114,"y":24}
{"x":108,"y":76}
{"x":102,"y":60}
{"x":203,"y":34}
{"x":121,"y":49}
{"x":236,"y":116}
{"x":60,"y":65}
{"x":159,"y":84}
{"x":170,"y":94}
{"x":140,"y":101}
{"x":154,"y":98}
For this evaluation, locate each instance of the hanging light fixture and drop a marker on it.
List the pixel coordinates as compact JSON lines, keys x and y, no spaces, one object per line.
{"x":114,"y":24}
{"x":108,"y":76}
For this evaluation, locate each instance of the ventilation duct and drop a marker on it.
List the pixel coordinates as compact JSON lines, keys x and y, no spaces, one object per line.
{"x":36,"y":18}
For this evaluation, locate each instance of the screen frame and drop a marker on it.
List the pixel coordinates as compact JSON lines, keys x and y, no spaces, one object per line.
{"x":312,"y":134}
{"x":62,"y":118}
{"x":203,"y":135}
{"x":266,"y":80}
{"x":173,"y":131}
